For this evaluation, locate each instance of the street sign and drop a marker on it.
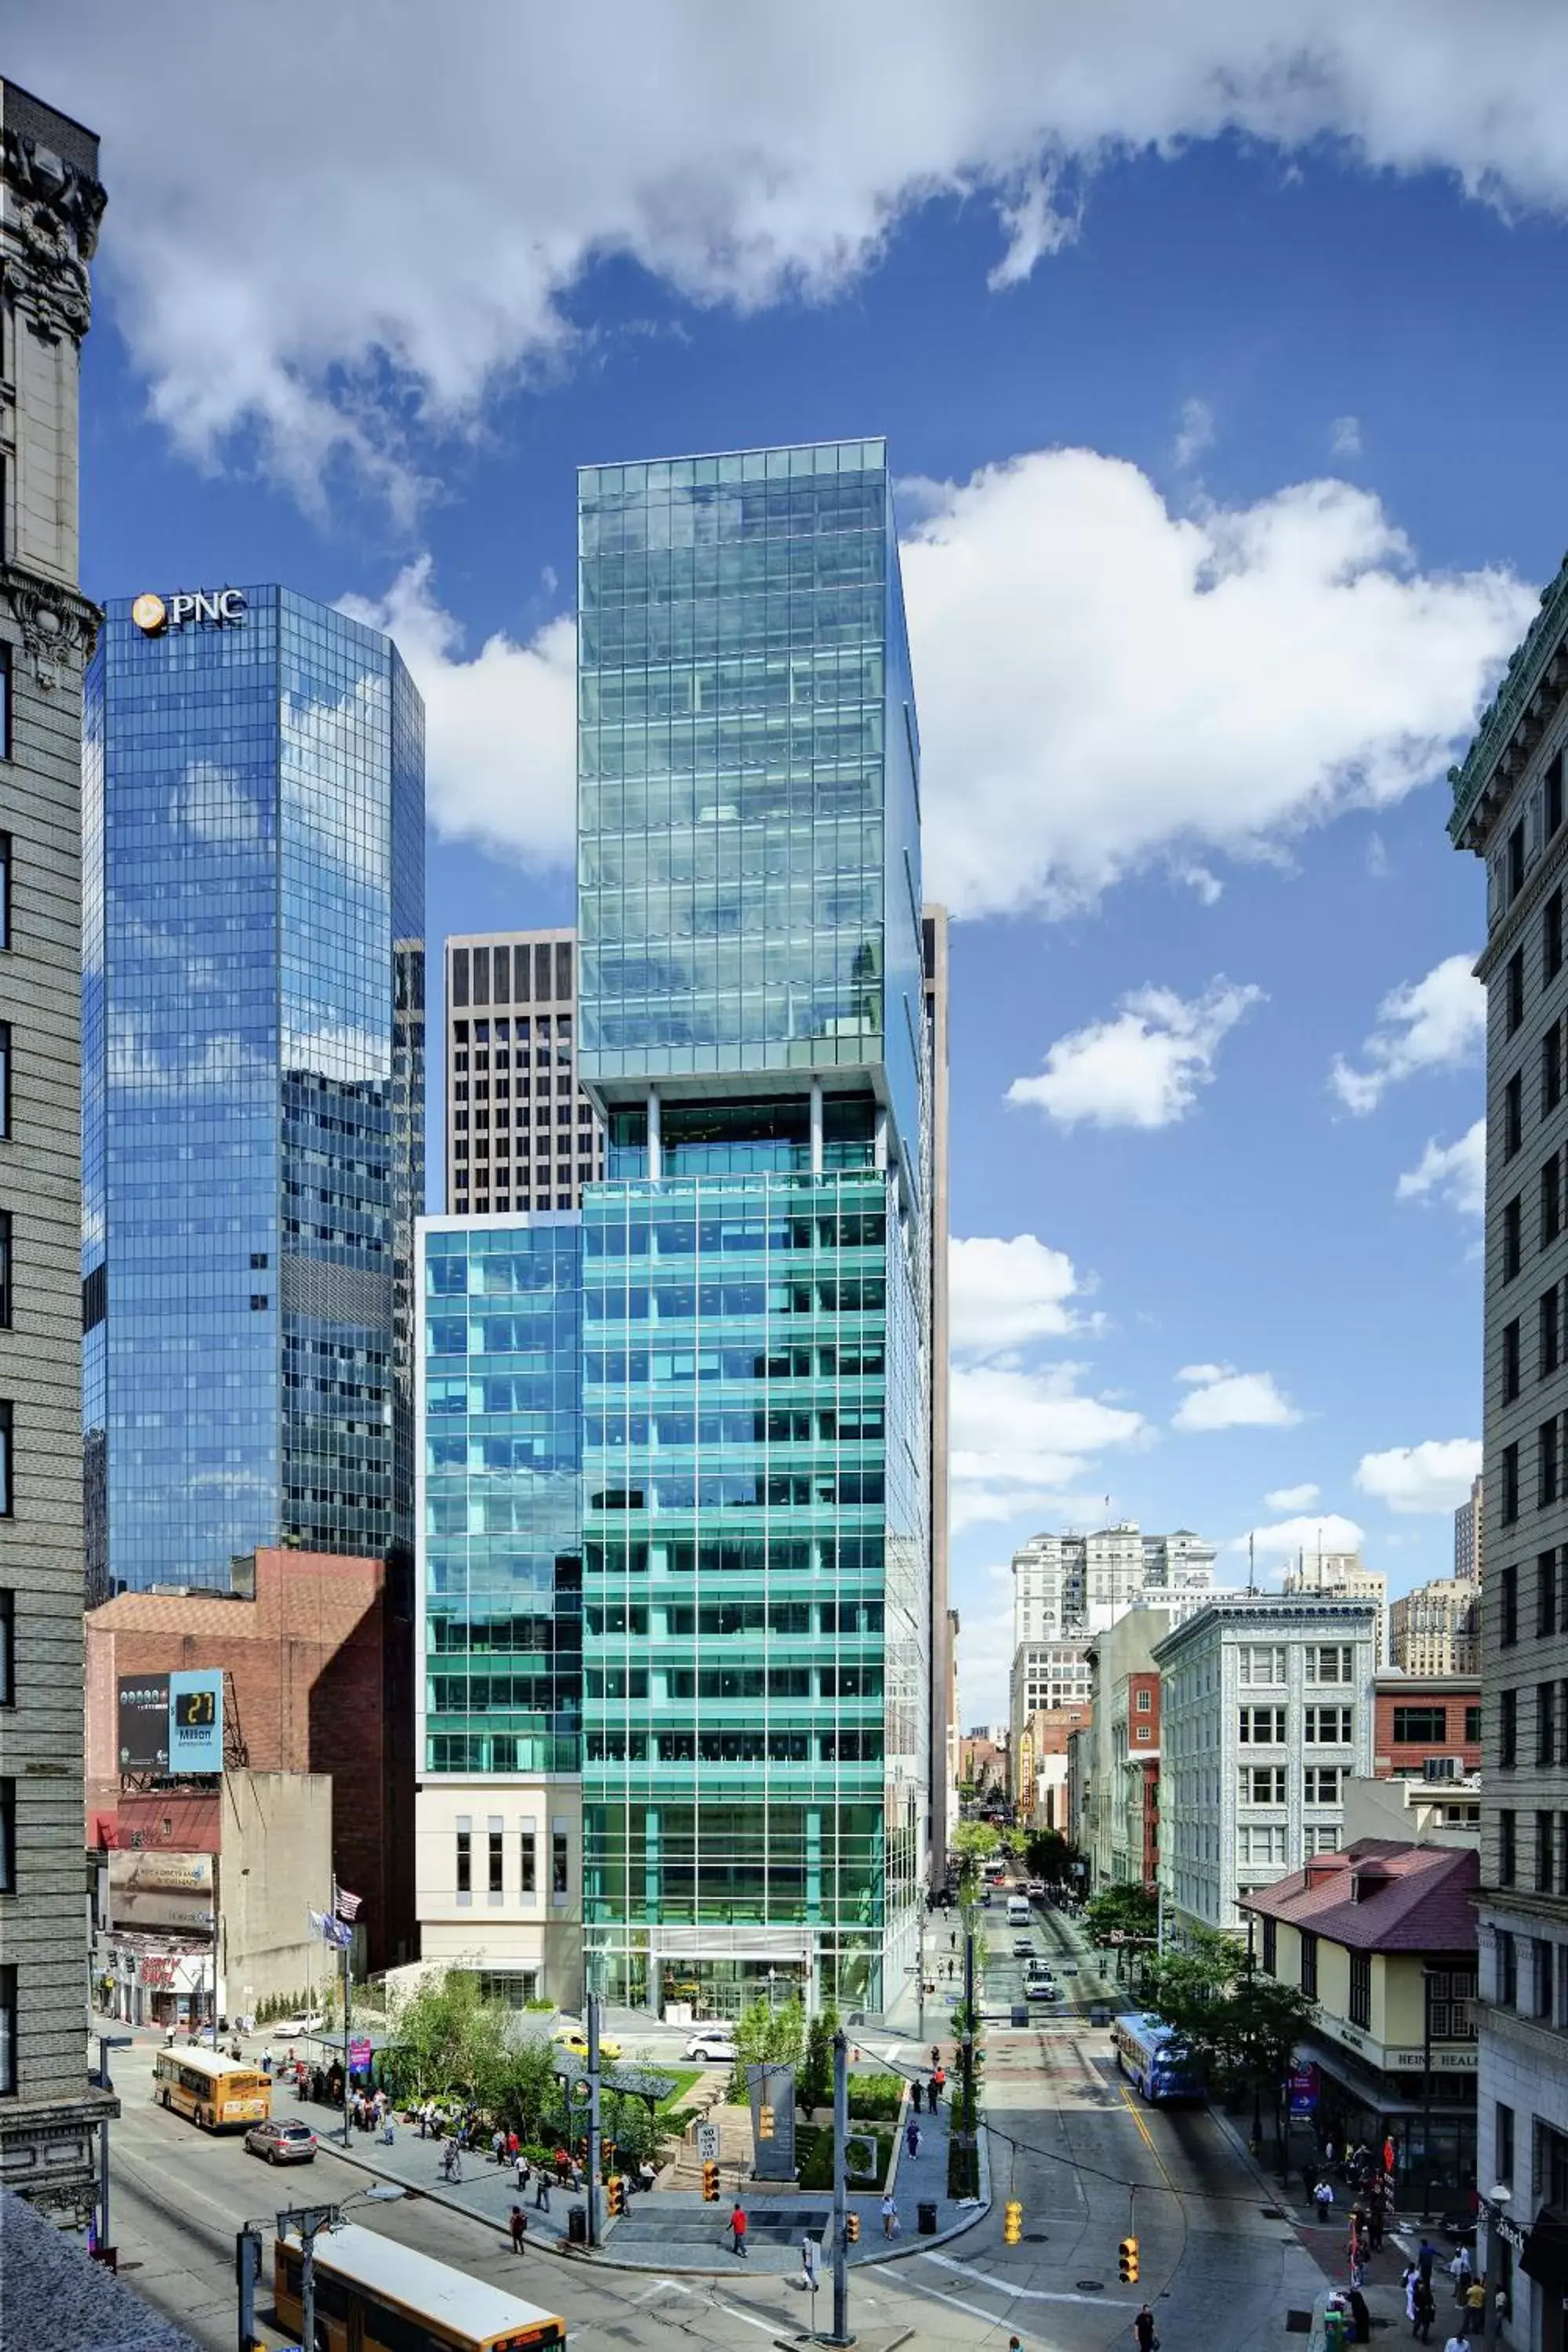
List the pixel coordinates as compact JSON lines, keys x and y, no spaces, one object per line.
{"x":708,"y":2143}
{"x":1304,"y":2086}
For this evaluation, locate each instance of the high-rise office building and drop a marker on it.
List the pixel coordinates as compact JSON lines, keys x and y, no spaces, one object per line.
{"x":1468,"y":1551}
{"x":1436,"y":1629}
{"x":1509,"y":810}
{"x":253,"y":805}
{"x":944,"y":1775}
{"x":1342,"y":1575}
{"x":757,"y":1642}
{"x":50,"y":202}
{"x":1071,"y":1586}
{"x":521,"y":1132}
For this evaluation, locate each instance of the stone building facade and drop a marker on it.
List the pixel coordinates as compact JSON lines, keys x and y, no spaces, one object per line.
{"x":50,"y":203}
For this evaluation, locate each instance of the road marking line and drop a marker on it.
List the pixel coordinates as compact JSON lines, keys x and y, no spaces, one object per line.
{"x":975,"y":2310}
{"x":1028,"y":2293}
{"x":1148,"y":2142}
{"x":729,"y":2310}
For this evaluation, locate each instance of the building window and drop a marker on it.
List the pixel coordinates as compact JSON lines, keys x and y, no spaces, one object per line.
{"x":1509,"y":1595}
{"x":1320,"y":1784}
{"x":1329,"y":1726}
{"x":1551,"y":937}
{"x":1549,"y":1333}
{"x":1271,"y":1945}
{"x":1360,"y":1991}
{"x":1512,"y":1114}
{"x":1546,"y":1463}
{"x":1545,"y":1722}
{"x":1502,"y":2142}
{"x":1263,"y":1784}
{"x":4,"y":666}
{"x":7,"y":1648}
{"x":1552,"y":811}
{"x":1423,"y":1726}
{"x":559,"y":1863}
{"x":1330,"y":1664}
{"x":1513,"y":992}
{"x":1145,"y":1702}
{"x":1510,"y":1360}
{"x":1508,"y":1728}
{"x":1546,"y":1592}
{"x":5,"y":1078}
{"x":1507,"y":1847}
{"x":1551,"y":1069}
{"x":1545,"y":1851}
{"x":497,"y":1880}
{"x":1309,"y":1964}
{"x":1550,"y":1199}
{"x":8,"y":2028}
{"x":7,"y":1451}
{"x":1553,"y":2166}
{"x":529,"y":1849}
{"x":1507,"y":1968}
{"x":8,"y":1837}
{"x":1262,"y":1664}
{"x":465,"y":1862}
{"x":5,"y":890}
{"x":1510,"y":1484}
{"x":1516,"y":861}
{"x":1473,"y":1726}
{"x":1262,"y":1726}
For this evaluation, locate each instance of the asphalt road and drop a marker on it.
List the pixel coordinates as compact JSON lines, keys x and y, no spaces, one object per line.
{"x":1067,"y":2138}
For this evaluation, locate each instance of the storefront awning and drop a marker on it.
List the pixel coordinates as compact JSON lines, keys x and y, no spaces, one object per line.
{"x":1545,"y":2255}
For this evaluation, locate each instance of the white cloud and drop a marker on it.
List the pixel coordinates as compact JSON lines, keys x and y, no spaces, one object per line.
{"x":319,"y":254}
{"x":1293,"y":1498}
{"x":1144,"y":1065}
{"x":1003,"y":1293}
{"x":1194,"y":434}
{"x":1344,"y":439}
{"x":501,"y":723}
{"x":1311,"y":1534}
{"x":1454,"y":1173}
{"x":1105,"y":684}
{"x":1433,"y":1476}
{"x":1218,"y":1397}
{"x":1020,"y":1436}
{"x":1435,"y":1024}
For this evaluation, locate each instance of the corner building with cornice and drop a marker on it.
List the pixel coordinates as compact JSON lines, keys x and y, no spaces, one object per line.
{"x":50,"y":203}
{"x":1509,"y":810}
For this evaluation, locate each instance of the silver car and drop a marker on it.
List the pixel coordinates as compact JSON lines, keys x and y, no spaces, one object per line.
{"x":282,"y":2142}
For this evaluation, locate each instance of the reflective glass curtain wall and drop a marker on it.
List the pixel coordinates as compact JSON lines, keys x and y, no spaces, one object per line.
{"x":253,"y":1088}
{"x":499,"y":1496}
{"x":756,"y":1647}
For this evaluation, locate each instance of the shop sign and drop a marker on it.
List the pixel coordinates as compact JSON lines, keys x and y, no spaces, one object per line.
{"x":216,"y":608}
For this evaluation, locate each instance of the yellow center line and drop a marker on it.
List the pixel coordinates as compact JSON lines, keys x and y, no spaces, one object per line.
{"x":1143,"y":2135}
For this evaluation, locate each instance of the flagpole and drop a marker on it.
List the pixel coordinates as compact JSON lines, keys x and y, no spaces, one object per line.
{"x":346,"y":2044}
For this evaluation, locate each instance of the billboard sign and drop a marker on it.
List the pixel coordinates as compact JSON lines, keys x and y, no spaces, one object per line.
{"x":163,"y":1890}
{"x":143,"y":1723}
{"x":196,"y":1722}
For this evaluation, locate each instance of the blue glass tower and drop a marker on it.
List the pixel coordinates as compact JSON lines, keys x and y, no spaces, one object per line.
{"x":253,"y":1084}
{"x":756,"y":1272}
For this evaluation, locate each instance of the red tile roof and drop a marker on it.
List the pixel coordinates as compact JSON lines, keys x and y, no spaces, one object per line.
{"x":1412,"y":1898}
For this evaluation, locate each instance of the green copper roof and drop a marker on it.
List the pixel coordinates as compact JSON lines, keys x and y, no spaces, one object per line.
{"x":1502,"y":714}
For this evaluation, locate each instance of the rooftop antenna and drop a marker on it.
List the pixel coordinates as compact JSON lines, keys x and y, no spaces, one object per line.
{"x":1252,"y":1566}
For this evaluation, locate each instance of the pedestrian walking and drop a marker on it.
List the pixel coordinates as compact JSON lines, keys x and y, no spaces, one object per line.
{"x":542,"y":2191}
{"x":1323,"y":2198}
{"x":738,"y":2230}
{"x":520,"y":2168}
{"x":1475,"y":2306}
{"x":1426,"y":2309}
{"x":1425,"y":2255}
{"x":935,"y":2058}
{"x":913,"y":2136}
{"x":1461,"y":2270}
{"x":918,"y":2096}
{"x":519,"y":2229}
{"x":890,"y":2215}
{"x":938,"y":2085}
{"x":497,"y":2145}
{"x":1144,"y":2331}
{"x":1359,"y":2316}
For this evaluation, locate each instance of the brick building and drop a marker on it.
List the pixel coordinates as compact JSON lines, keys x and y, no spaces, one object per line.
{"x":318,"y":1658}
{"x":1421,"y":1720}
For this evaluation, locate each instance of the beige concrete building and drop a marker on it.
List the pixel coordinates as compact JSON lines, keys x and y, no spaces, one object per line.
{"x":498,"y":1883}
{"x":1436,"y":1629}
{"x":50,"y":202}
{"x":1341,"y":1576}
{"x":1469,"y":1535}
{"x":521,"y":1132}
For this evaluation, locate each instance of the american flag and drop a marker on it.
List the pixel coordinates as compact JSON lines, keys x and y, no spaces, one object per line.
{"x":345,"y":1904}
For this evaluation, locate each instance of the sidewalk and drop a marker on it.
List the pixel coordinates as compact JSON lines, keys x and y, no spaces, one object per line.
{"x":486,"y":2192}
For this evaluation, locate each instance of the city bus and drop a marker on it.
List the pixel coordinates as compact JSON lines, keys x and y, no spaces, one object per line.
{"x":373,"y":2295}
{"x":1146,"y":2049}
{"x":218,"y":2093}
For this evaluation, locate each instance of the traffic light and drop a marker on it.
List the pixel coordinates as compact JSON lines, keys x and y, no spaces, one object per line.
{"x":617,"y":2194}
{"x":764,"y":2121}
{"x":852,"y":2229}
{"x":1012,"y":2221}
{"x":1127,"y":2261}
{"x":711,"y":2184}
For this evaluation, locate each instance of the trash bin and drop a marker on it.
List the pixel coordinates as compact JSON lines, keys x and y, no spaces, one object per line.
{"x":1020,"y":2012}
{"x":576,"y":2225}
{"x":925,"y":2217}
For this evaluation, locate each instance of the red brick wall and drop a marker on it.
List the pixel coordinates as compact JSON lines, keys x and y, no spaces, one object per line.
{"x":319,"y":1679}
{"x":1391,"y":1757}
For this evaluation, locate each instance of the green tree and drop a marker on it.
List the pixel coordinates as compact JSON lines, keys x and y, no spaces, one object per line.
{"x":447,"y":2039}
{"x":974,"y":1843}
{"x":531,"y":2094}
{"x":814,"y":2084}
{"x":1238,"y":2026}
{"x":1128,"y":1908}
{"x":1048,"y":1856}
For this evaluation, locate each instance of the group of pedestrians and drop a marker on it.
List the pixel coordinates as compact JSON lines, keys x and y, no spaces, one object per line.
{"x":1470,"y":2298}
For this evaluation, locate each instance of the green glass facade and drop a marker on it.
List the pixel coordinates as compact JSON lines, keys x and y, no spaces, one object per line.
{"x":755,"y":1435}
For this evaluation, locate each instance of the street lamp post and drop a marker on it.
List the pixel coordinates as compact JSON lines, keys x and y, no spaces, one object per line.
{"x":1494,"y":2207}
{"x":106,"y":2043}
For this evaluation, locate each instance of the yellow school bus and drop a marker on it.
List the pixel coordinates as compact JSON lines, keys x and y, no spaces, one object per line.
{"x":220,"y":2094}
{"x":373,"y":2295}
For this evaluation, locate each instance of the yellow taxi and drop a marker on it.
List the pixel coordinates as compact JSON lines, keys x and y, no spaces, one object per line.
{"x":576,"y":2041}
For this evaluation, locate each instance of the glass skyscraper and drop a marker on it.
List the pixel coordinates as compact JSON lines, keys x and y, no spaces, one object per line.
{"x":756,"y":1268}
{"x":253,"y":1084}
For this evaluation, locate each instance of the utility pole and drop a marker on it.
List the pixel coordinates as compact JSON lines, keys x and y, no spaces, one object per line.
{"x":308,"y":2221}
{"x":968,"y":2047}
{"x":346,"y":2006}
{"x":106,"y":2043}
{"x":840,"y":2200}
{"x":593,"y":2166}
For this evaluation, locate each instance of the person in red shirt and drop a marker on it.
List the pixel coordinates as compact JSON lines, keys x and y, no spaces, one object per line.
{"x":738,"y":2230}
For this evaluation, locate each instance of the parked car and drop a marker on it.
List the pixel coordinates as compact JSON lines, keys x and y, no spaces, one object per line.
{"x":575,"y":2040}
{"x":281,"y":2142}
{"x":716,"y":2047}
{"x":295,"y":2029}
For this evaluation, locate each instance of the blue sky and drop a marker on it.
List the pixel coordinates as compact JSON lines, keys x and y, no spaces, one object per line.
{"x":1233,"y":474}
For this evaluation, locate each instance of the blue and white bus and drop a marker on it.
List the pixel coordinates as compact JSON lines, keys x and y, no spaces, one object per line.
{"x":1146,"y":2049}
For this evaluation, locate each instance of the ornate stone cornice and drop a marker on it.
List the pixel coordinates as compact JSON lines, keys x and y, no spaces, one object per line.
{"x":50,"y":236}
{"x":1530,"y":678}
{"x":58,"y":624}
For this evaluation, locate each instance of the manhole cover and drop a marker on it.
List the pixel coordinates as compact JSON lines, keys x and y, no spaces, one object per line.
{"x":1297,"y":2323}
{"x":1036,"y":2237}
{"x":1088,"y":2286}
{"x":1274,"y":2213}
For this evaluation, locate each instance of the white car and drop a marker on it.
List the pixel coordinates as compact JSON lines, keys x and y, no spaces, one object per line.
{"x":296,"y":2028}
{"x":714,"y":2048}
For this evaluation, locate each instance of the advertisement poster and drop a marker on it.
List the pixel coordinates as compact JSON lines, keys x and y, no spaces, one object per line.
{"x":143,"y":1723}
{"x":196,"y":1722}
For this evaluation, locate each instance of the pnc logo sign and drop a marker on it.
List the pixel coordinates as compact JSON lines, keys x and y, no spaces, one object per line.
{"x":218,"y":608}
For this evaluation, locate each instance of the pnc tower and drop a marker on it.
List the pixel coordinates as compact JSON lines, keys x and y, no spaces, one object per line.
{"x":253,"y":809}
{"x":756,"y":1266}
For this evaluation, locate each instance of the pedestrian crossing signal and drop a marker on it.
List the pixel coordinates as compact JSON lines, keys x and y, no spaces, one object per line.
{"x":617,"y":2197}
{"x":1127,"y":2262}
{"x":711,"y":2184}
{"x":1012,"y":2221}
{"x":852,"y":2229}
{"x":765,"y":2122}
